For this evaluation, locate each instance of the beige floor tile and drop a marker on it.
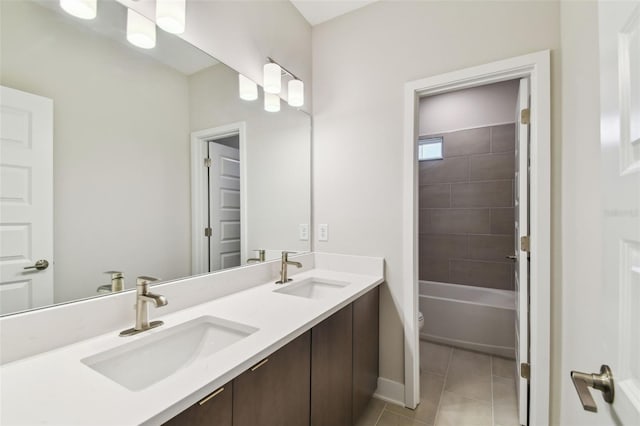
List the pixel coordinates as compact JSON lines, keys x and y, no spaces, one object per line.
{"x":505,"y":404}
{"x":434,"y":358}
{"x":389,"y":418}
{"x":503,"y":367}
{"x":469,"y":375}
{"x":372,"y":413}
{"x":456,"y":410}
{"x":430,"y":391}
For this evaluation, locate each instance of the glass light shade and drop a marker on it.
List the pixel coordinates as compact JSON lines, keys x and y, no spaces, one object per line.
{"x":271,"y":102}
{"x":170,"y":15}
{"x":296,"y":93}
{"x":83,"y":9}
{"x":141,"y":31}
{"x":248,"y":89}
{"x":272,"y":78}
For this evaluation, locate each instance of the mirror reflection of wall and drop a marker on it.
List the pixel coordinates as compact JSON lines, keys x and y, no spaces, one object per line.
{"x":122,"y":134}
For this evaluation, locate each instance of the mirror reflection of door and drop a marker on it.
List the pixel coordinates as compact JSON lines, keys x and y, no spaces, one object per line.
{"x":26,"y":200}
{"x":223,"y":192}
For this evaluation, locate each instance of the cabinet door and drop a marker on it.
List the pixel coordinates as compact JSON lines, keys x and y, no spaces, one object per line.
{"x":331,"y":363}
{"x":275,"y":392}
{"x":365,"y":350}
{"x":212,"y":410}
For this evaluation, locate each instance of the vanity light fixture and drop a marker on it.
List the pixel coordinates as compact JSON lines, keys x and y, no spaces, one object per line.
{"x":272,"y":78}
{"x":170,"y":15}
{"x":271,"y":102}
{"x":83,"y":9}
{"x":248,"y":88}
{"x":141,"y":31}
{"x":295,"y":93}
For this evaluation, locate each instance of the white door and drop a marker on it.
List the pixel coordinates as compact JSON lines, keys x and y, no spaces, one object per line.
{"x":521,"y":203}
{"x":224,"y":207}
{"x":26,"y":200}
{"x":619,"y":310}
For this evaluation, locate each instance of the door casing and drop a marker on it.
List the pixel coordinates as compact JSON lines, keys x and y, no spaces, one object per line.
{"x":535,"y":67}
{"x":199,"y":189}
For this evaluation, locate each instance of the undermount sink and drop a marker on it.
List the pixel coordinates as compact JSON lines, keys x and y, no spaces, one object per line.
{"x":313,"y":288}
{"x":147,"y":360}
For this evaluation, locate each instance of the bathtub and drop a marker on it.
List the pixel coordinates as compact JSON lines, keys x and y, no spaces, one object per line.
{"x":476,"y":318}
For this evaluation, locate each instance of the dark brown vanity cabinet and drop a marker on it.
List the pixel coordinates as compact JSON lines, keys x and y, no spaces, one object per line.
{"x":331,"y":367}
{"x":275,"y":392}
{"x":212,"y":410}
{"x":365,"y":350}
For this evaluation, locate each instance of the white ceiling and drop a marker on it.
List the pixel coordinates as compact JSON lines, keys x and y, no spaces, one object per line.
{"x":318,"y":11}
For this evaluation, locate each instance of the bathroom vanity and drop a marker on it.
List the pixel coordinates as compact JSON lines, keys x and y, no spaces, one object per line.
{"x":254,"y":353}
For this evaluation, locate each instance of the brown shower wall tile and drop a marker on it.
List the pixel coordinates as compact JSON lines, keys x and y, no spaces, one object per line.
{"x":466,"y":217}
{"x":459,"y":221}
{"x":482,"y":194}
{"x":491,"y":247}
{"x":467,"y":142}
{"x":444,"y":171}
{"x":434,"y":270}
{"x":503,"y":138}
{"x":492,"y":167}
{"x":482,"y":274}
{"x":444,"y":246}
{"x":433,"y":196}
{"x":502,"y":221}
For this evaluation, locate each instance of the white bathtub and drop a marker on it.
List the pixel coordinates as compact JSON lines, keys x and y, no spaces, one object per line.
{"x":476,"y":318}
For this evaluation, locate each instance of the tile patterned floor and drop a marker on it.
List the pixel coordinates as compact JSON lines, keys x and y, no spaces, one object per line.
{"x":457,"y":388}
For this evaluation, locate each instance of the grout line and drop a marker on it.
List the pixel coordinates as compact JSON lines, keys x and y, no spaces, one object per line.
{"x":384,"y":407}
{"x":444,"y":385}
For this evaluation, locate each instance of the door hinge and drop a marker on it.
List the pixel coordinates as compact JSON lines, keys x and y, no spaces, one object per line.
{"x":207,"y":162}
{"x":525,"y":116}
{"x":525,"y":370}
{"x":525,"y":243}
{"x":208,"y":231}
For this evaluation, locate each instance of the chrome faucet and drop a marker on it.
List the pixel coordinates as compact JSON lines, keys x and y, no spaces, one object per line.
{"x":283,"y":267}
{"x":143,"y":296}
{"x":261,"y":256}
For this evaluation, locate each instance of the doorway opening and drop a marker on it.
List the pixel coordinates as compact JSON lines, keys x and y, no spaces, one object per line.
{"x":468,"y":266}
{"x":451,"y":237}
{"x":218,"y":194}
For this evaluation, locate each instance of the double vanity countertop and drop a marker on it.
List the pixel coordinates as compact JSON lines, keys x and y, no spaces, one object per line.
{"x":59,"y":387}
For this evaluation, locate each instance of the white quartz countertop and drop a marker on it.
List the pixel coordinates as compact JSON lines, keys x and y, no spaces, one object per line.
{"x":56,"y":388}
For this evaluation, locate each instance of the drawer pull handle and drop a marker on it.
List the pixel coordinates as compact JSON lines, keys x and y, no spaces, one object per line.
{"x":213,"y":394}
{"x":260,"y":364}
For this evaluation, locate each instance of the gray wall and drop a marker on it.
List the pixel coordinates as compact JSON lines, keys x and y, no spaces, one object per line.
{"x":466,"y":209}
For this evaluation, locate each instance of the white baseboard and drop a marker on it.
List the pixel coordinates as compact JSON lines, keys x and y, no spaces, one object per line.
{"x":390,"y":391}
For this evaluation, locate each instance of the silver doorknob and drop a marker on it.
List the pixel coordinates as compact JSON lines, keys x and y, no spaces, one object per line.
{"x":40,"y":265}
{"x":602,"y":382}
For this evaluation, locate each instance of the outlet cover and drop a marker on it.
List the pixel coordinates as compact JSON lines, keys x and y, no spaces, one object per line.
{"x":303,"y":230}
{"x":323,"y":232}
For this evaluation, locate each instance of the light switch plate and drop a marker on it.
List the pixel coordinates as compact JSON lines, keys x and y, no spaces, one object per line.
{"x":303,"y":230}
{"x":323,"y":232}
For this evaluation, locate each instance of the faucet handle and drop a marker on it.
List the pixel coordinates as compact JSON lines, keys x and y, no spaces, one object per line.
{"x":114,"y":274}
{"x":143,"y":280}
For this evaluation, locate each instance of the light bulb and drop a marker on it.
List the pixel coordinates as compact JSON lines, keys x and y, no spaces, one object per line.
{"x":296,"y":93}
{"x":248,"y":89}
{"x":271,"y":102}
{"x":83,"y":9}
{"x":141,"y":31}
{"x":170,"y":15}
{"x":272,"y":78}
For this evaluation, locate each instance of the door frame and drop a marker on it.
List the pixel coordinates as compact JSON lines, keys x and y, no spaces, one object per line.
{"x":536,"y":67}
{"x":198,"y":188}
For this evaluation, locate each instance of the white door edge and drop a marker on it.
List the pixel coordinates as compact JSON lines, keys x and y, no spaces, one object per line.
{"x":536,"y":67}
{"x":198,"y":191}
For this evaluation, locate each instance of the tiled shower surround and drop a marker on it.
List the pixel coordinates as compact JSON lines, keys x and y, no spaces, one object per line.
{"x":466,"y":209}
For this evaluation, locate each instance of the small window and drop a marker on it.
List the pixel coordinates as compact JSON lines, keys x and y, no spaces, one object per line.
{"x":430,"y":148}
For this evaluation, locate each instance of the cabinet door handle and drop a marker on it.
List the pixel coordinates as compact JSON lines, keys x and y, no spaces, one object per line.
{"x":210,"y":396}
{"x":260,"y":364}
